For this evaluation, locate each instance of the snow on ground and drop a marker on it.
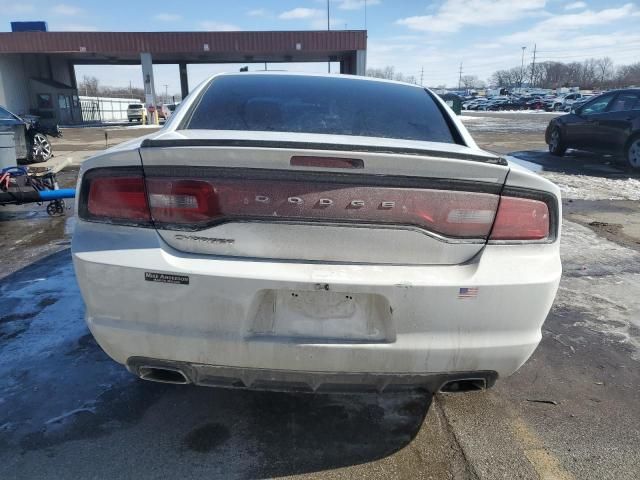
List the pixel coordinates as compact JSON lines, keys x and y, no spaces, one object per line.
{"x":138,"y":125}
{"x":501,"y":125}
{"x":585,"y":187}
{"x":602,"y":281}
{"x":511,"y":112}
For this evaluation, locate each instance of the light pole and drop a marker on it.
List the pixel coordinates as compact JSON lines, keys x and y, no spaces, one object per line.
{"x":328,"y":28}
{"x":522,"y":68}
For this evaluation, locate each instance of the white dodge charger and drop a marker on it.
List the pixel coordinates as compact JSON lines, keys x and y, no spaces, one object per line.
{"x":315,"y":233}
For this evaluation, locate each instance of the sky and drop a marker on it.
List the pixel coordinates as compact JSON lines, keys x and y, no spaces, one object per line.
{"x":426,"y":39}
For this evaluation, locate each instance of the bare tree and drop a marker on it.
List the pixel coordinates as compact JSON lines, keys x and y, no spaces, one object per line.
{"x":386,"y":72}
{"x":605,"y":69}
{"x":471,"y":81}
{"x":89,"y":86}
{"x":590,"y":73}
{"x":628,"y":75}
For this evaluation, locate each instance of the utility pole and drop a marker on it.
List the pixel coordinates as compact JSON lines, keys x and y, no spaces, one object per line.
{"x":522,"y":68}
{"x":421,"y":76}
{"x":365,"y":14}
{"x":533,"y":64}
{"x":460,"y":77}
{"x":166,"y":93}
{"x":328,"y":28}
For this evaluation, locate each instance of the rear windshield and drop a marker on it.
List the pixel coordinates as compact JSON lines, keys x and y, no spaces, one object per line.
{"x":135,"y":105}
{"x":338,"y":106}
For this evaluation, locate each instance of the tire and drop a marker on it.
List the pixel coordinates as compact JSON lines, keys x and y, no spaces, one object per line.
{"x":556,"y":144}
{"x":40,"y":148}
{"x":632,"y":152}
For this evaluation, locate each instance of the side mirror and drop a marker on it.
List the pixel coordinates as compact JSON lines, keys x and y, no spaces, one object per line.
{"x":576,"y":111}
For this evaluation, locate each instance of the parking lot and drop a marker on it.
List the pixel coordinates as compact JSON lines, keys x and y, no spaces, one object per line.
{"x":571,"y":412}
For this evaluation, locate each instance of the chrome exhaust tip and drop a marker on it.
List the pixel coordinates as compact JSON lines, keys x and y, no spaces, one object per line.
{"x":462,"y":385}
{"x":163,"y":375}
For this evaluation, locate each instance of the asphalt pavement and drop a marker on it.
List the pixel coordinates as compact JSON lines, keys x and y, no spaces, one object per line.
{"x":571,"y":412}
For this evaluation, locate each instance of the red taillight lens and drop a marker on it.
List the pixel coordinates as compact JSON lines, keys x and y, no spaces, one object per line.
{"x":521,"y":219}
{"x":121,"y":196}
{"x":117,"y":199}
{"x":197,"y":202}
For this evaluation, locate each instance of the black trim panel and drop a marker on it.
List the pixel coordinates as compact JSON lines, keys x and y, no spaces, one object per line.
{"x":326,"y":177}
{"x":309,"y":381}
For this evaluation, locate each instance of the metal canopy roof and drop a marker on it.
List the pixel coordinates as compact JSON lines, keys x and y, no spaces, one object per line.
{"x":189,"y":47}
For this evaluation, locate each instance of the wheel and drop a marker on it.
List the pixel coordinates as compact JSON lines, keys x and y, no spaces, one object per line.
{"x":55,"y":208}
{"x":633,"y":152}
{"x":40,"y":148}
{"x":556,"y":144}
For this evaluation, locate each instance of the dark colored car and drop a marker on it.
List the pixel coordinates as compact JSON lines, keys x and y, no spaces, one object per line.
{"x":608,"y":123}
{"x":511,"y":104}
{"x":535,"y":104}
{"x":30,"y":136}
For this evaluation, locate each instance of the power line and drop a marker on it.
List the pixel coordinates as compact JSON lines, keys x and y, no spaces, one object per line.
{"x":559,"y":57}
{"x":606,"y":47}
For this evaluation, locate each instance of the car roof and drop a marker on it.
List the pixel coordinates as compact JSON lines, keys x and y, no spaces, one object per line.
{"x":326,"y":75}
{"x":627,"y":90}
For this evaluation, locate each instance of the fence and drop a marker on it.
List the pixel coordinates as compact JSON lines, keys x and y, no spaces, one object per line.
{"x":105,"y":109}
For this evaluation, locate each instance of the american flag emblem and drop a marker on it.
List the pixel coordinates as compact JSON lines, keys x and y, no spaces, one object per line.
{"x":468,"y":292}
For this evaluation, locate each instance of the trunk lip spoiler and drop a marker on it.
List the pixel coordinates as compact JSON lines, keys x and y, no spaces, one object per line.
{"x":191,"y":142}
{"x":338,"y":178}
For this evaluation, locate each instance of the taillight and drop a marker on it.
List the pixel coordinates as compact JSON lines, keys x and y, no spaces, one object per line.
{"x":521,"y":219}
{"x":125,"y":196}
{"x":196,"y":203}
{"x":115,"y":199}
{"x":182,"y":201}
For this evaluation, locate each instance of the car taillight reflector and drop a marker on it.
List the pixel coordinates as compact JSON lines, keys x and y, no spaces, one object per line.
{"x":521,"y":219}
{"x":118,"y":198}
{"x":182,"y":201}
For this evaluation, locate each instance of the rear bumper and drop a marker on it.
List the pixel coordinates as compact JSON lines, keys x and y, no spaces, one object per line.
{"x":308,"y":382}
{"x":429,"y":329}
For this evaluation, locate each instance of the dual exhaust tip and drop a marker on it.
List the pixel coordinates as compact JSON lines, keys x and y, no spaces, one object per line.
{"x":178,"y":377}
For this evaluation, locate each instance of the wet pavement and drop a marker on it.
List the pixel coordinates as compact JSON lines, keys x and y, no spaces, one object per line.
{"x":571,"y":412}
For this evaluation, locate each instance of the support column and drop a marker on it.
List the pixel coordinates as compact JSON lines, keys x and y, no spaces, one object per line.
{"x":361,"y":62}
{"x":184,"y":80}
{"x":72,"y":74}
{"x":149,"y":86}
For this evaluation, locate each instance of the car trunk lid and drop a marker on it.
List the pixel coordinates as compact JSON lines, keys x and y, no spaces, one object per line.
{"x":326,"y":198}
